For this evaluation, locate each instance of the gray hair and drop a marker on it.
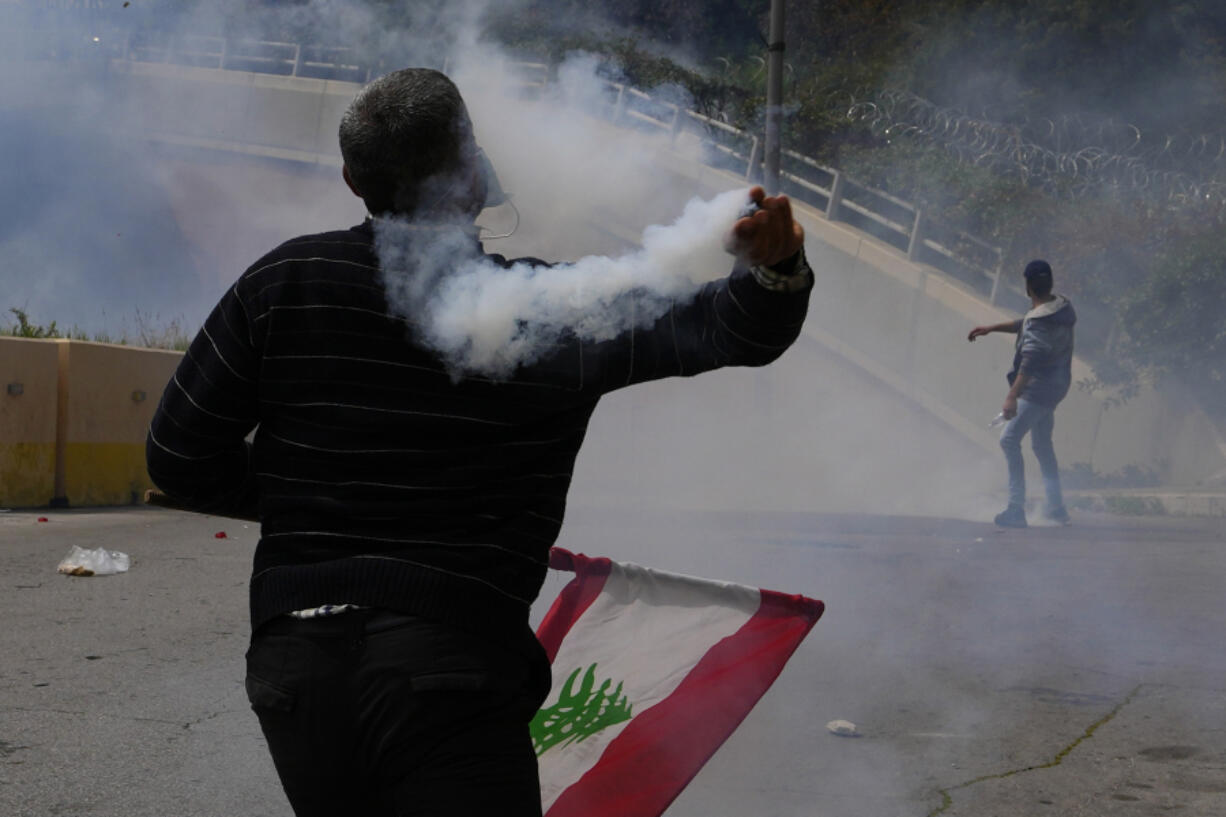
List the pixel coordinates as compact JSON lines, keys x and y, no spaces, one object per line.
{"x":401,"y":132}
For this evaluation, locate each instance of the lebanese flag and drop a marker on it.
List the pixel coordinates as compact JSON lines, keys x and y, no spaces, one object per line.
{"x":651,"y":673}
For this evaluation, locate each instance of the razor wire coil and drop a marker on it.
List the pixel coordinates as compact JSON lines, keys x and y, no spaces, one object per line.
{"x":1073,"y":156}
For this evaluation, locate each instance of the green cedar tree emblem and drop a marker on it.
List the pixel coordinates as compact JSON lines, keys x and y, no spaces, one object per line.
{"x":579,"y":713}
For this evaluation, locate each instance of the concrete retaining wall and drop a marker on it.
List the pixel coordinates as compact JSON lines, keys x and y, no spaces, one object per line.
{"x":292,"y":118}
{"x":901,"y":322}
{"x":107,"y":397}
{"x":906,"y":324}
{"x":75,"y":435}
{"x":28,"y":386}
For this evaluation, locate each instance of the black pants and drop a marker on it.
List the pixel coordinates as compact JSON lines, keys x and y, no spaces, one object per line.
{"x":375,"y":713}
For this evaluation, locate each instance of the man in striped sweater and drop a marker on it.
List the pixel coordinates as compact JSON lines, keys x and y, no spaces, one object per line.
{"x":406,"y":513}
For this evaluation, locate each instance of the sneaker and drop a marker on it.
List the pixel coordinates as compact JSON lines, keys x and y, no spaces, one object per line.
{"x":1058,"y":515}
{"x":1011,"y":517}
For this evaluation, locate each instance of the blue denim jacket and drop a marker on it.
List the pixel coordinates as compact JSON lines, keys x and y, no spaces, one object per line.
{"x":1044,"y":351}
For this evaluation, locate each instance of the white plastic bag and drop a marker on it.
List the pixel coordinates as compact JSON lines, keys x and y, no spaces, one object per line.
{"x":96,"y":562}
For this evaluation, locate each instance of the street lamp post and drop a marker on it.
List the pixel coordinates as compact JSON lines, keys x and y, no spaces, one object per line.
{"x":774,"y":97}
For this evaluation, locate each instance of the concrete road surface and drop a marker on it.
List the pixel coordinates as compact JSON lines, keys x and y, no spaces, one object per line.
{"x":1053,"y":671}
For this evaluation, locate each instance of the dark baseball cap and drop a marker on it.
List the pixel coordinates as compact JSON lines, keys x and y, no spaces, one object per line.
{"x":1037,"y":270}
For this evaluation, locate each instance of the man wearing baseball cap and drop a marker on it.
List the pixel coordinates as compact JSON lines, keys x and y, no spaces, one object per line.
{"x":1040,"y":378}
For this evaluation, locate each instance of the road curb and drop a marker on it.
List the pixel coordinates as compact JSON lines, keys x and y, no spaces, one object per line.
{"x":1151,"y":502}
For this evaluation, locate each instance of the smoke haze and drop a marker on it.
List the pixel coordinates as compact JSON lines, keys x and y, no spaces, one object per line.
{"x":486,"y":319}
{"x":100,"y":224}
{"x":191,"y":220}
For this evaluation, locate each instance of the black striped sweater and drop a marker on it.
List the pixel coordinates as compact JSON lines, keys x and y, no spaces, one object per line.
{"x":380,"y":480}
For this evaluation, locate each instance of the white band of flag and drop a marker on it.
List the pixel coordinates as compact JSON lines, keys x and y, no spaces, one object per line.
{"x":652,"y":671}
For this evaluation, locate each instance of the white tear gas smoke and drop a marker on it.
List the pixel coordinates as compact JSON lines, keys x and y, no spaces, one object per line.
{"x":486,"y":319}
{"x":110,"y":219}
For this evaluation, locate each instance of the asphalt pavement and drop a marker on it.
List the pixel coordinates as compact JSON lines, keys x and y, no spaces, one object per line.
{"x":1051,"y":671}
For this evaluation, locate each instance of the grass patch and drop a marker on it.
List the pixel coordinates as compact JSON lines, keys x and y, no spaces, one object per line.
{"x":150,"y":333}
{"x":1134,"y":505}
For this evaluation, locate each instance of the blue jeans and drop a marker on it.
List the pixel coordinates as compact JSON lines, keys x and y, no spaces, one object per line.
{"x":1039,"y":421}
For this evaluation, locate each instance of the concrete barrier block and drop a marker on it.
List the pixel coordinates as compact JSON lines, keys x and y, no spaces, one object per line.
{"x":107,"y":398}
{"x":27,"y":422}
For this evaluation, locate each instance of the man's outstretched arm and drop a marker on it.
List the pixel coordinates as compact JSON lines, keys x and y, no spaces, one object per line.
{"x":1010,"y":327}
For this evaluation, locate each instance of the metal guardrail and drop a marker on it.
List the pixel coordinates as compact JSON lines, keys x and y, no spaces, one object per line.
{"x":899,"y":223}
{"x":340,"y":63}
{"x":260,"y":56}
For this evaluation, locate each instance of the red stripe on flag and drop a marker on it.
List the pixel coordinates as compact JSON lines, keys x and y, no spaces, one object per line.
{"x":575,"y":598}
{"x":661,"y":749}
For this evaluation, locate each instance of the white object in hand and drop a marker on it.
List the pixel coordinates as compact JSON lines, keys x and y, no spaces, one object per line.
{"x":998,"y":420}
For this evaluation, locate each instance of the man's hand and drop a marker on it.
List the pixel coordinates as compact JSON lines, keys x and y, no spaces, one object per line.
{"x":978,"y":332}
{"x":767,"y":236}
{"x":1009,"y":409}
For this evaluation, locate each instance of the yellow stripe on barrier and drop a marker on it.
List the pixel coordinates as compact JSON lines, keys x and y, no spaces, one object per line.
{"x":27,"y":474}
{"x":105,"y":473}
